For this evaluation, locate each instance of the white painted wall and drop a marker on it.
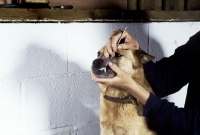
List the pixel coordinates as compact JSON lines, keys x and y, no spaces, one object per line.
{"x":45,"y":83}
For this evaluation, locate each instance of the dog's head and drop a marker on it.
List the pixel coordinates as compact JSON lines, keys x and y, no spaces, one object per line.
{"x":128,"y":60}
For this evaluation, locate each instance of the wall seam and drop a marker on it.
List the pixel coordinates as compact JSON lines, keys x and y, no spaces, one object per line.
{"x":149,"y":39}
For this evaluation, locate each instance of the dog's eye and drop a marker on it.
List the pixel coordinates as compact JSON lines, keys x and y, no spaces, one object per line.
{"x":117,"y":54}
{"x":98,"y":54}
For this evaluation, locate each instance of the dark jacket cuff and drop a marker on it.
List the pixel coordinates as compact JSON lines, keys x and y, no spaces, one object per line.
{"x":151,"y":105}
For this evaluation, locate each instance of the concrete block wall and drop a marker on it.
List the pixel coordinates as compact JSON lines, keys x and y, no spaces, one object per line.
{"x":45,"y":82}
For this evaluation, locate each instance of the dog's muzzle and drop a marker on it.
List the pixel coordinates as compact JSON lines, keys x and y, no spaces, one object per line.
{"x":101,"y":69}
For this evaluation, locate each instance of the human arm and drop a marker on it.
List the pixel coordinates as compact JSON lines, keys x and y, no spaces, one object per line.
{"x":169,"y":75}
{"x":123,"y":81}
{"x":166,"y":77}
{"x":167,"y":119}
{"x":163,"y":117}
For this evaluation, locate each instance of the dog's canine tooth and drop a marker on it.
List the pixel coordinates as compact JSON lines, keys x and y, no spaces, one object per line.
{"x":104,"y":69}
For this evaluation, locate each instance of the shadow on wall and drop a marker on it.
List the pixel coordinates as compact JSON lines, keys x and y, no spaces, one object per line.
{"x":54,"y":100}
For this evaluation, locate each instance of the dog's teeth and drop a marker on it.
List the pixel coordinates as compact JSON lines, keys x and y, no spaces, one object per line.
{"x":104,"y":69}
{"x":101,"y":69}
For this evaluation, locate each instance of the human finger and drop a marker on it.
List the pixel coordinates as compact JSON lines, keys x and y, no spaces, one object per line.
{"x":111,"y":45}
{"x":115,"y":39}
{"x":105,"y":81}
{"x":106,"y":54}
{"x":108,"y":49}
{"x":114,"y":67}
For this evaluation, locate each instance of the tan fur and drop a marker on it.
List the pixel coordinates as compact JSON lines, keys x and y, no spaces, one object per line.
{"x":123,"y":119}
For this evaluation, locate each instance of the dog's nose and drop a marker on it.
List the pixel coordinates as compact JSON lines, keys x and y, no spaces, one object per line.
{"x":97,"y":62}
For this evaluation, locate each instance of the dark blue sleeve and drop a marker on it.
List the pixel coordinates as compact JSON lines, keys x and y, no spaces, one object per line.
{"x":167,"y":119}
{"x":169,"y":75}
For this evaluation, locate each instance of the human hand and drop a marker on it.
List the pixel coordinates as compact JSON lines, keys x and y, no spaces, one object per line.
{"x":129,"y":43}
{"x":122,"y":80}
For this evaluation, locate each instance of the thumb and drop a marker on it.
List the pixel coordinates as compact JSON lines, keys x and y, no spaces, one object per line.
{"x":114,"y":67}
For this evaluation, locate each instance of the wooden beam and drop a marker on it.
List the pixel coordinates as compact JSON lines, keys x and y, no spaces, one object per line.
{"x":13,"y":15}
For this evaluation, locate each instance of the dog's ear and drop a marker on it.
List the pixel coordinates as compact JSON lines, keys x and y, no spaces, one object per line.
{"x":143,"y":56}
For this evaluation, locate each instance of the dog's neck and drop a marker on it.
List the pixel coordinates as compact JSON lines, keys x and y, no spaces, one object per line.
{"x":121,"y":96}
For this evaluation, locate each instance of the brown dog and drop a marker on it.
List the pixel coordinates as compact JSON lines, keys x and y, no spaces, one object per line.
{"x":120,"y":113}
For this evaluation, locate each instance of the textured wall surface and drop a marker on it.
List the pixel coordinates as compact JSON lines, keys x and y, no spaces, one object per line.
{"x":45,"y":83}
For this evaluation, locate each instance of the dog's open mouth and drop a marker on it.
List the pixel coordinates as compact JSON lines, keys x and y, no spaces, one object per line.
{"x":104,"y":70}
{"x":101,"y":69}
